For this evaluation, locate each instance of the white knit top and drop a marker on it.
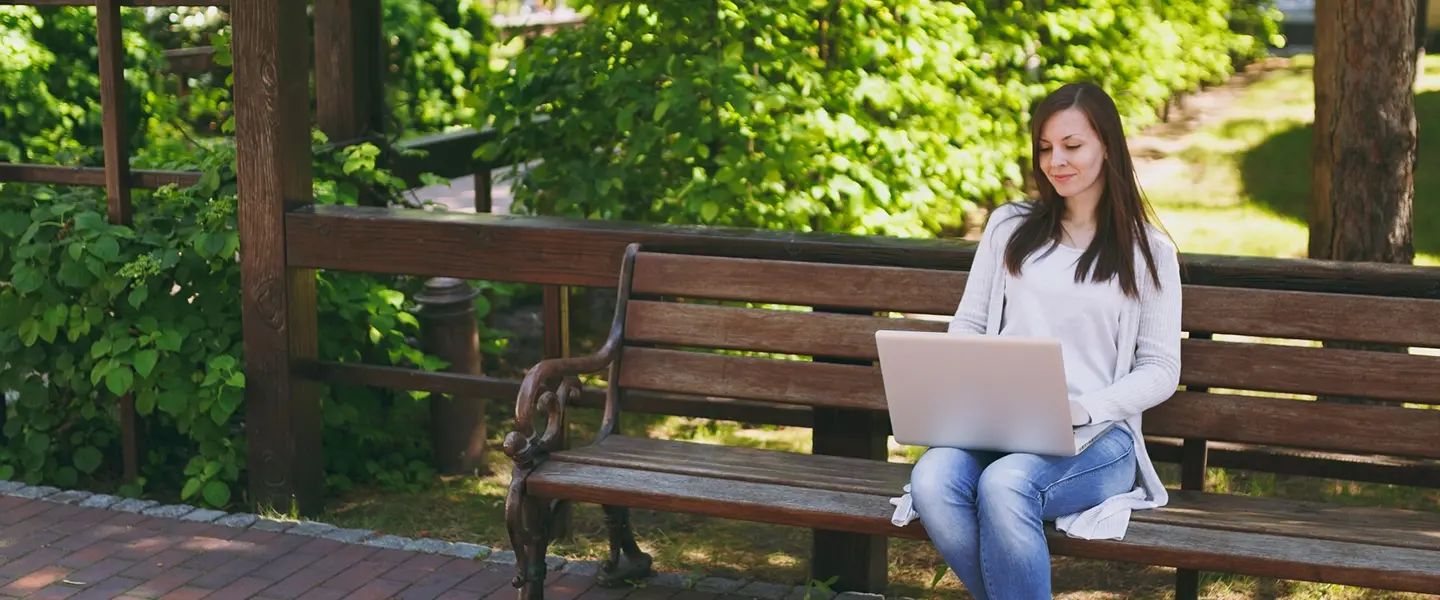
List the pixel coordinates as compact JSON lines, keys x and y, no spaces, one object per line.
{"x":1147,"y":367}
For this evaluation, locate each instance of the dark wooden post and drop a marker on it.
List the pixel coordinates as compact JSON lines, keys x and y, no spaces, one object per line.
{"x":115,"y":134}
{"x":349,"y":89}
{"x":349,"y":83}
{"x":451,"y":331}
{"x":858,"y":561}
{"x":272,"y":125}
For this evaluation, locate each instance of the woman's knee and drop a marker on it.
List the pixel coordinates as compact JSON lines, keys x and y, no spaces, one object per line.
{"x":942,"y":473}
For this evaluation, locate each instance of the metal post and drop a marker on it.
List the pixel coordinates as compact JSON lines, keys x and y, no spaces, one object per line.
{"x":450,"y":330}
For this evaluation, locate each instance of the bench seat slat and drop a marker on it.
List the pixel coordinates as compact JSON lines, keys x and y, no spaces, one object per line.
{"x":1267,"y":313}
{"x":1188,"y":538}
{"x":1314,"y":520}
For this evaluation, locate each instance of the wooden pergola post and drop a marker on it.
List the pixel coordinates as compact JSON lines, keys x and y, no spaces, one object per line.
{"x":349,"y":84}
{"x":272,"y":127}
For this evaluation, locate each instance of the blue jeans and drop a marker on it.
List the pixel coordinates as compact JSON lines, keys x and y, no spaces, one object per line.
{"x":984,"y":510}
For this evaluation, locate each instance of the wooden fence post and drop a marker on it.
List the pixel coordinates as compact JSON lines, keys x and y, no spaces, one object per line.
{"x":272,"y":125}
{"x":115,"y":134}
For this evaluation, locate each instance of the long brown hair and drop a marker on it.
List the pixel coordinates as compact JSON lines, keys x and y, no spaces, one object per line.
{"x":1122,"y":215}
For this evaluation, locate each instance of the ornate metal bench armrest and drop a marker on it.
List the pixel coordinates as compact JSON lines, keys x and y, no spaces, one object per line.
{"x":537,"y":394}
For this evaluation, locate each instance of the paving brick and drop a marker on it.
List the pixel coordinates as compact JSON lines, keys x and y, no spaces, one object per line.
{"x":379,"y":589}
{"x":100,"y":571}
{"x":187,"y":593}
{"x":30,"y":562}
{"x":89,"y":555}
{"x":33,"y":580}
{"x":489,"y":579}
{"x":107,"y":589}
{"x":158,"y":564}
{"x":245,"y":587}
{"x":165,"y":582}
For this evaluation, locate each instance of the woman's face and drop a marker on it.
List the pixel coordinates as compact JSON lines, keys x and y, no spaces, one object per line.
{"x":1071,"y":155}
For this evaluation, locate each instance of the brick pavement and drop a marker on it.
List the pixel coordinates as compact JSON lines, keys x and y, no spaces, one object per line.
{"x":51,"y":551}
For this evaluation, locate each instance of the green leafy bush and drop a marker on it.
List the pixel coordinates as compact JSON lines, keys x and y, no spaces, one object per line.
{"x":840,"y":115}
{"x":153,"y":310}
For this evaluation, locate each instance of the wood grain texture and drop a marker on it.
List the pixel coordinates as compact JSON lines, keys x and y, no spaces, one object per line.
{"x":1261,"y":367}
{"x":782,"y":331}
{"x":586,"y":252}
{"x":591,"y":397}
{"x":1312,"y":315}
{"x":111,"y":48}
{"x":1353,"y":428}
{"x":556,"y":250}
{"x":807,"y":472}
{"x":94,"y":177}
{"x":349,"y":85}
{"x":1259,"y":312}
{"x":1299,"y":370}
{"x":1364,"y":562}
{"x":927,"y":291}
{"x":751,"y":378}
{"x":283,"y":424}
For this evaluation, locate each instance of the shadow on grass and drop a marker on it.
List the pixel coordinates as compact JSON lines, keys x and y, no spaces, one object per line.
{"x":1276,"y":173}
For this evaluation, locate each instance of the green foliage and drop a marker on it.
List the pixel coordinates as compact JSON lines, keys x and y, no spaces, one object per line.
{"x":434,"y":46}
{"x":51,"y":112}
{"x":839,"y":115}
{"x":153,"y":311}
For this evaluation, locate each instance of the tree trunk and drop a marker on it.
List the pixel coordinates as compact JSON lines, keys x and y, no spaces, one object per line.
{"x":1365,"y":131}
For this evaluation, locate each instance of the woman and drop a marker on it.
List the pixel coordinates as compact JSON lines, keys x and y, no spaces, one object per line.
{"x":1083,"y":264}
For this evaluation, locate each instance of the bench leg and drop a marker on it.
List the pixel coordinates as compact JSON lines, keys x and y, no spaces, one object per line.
{"x":626,"y":562}
{"x":528,"y":520}
{"x":1187,"y":584}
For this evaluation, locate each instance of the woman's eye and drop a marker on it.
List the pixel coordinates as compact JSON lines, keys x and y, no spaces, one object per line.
{"x":1073,"y":147}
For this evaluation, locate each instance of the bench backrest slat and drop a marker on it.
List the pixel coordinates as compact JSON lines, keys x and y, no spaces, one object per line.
{"x":752,"y":378}
{"x":1258,"y":367}
{"x":1268,"y":313}
{"x":704,"y":326}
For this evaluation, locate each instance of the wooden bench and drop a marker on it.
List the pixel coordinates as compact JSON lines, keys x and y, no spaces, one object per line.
{"x":677,"y":313}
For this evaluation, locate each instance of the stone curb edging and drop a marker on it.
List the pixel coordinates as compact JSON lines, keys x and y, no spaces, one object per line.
{"x":464,"y":550}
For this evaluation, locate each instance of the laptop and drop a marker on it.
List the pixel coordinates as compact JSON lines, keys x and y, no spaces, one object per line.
{"x":979,"y":392}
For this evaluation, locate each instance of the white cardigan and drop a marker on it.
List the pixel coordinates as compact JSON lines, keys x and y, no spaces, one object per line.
{"x":1147,"y":371}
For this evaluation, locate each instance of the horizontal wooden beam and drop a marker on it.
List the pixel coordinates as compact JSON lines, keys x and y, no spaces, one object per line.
{"x":587,"y":252}
{"x":190,"y":61}
{"x":480,"y":386}
{"x":557,"y":250}
{"x":93,"y":176}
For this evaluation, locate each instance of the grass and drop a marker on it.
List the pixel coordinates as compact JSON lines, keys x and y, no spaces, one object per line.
{"x":1241,"y":185}
{"x":1236,"y":184}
